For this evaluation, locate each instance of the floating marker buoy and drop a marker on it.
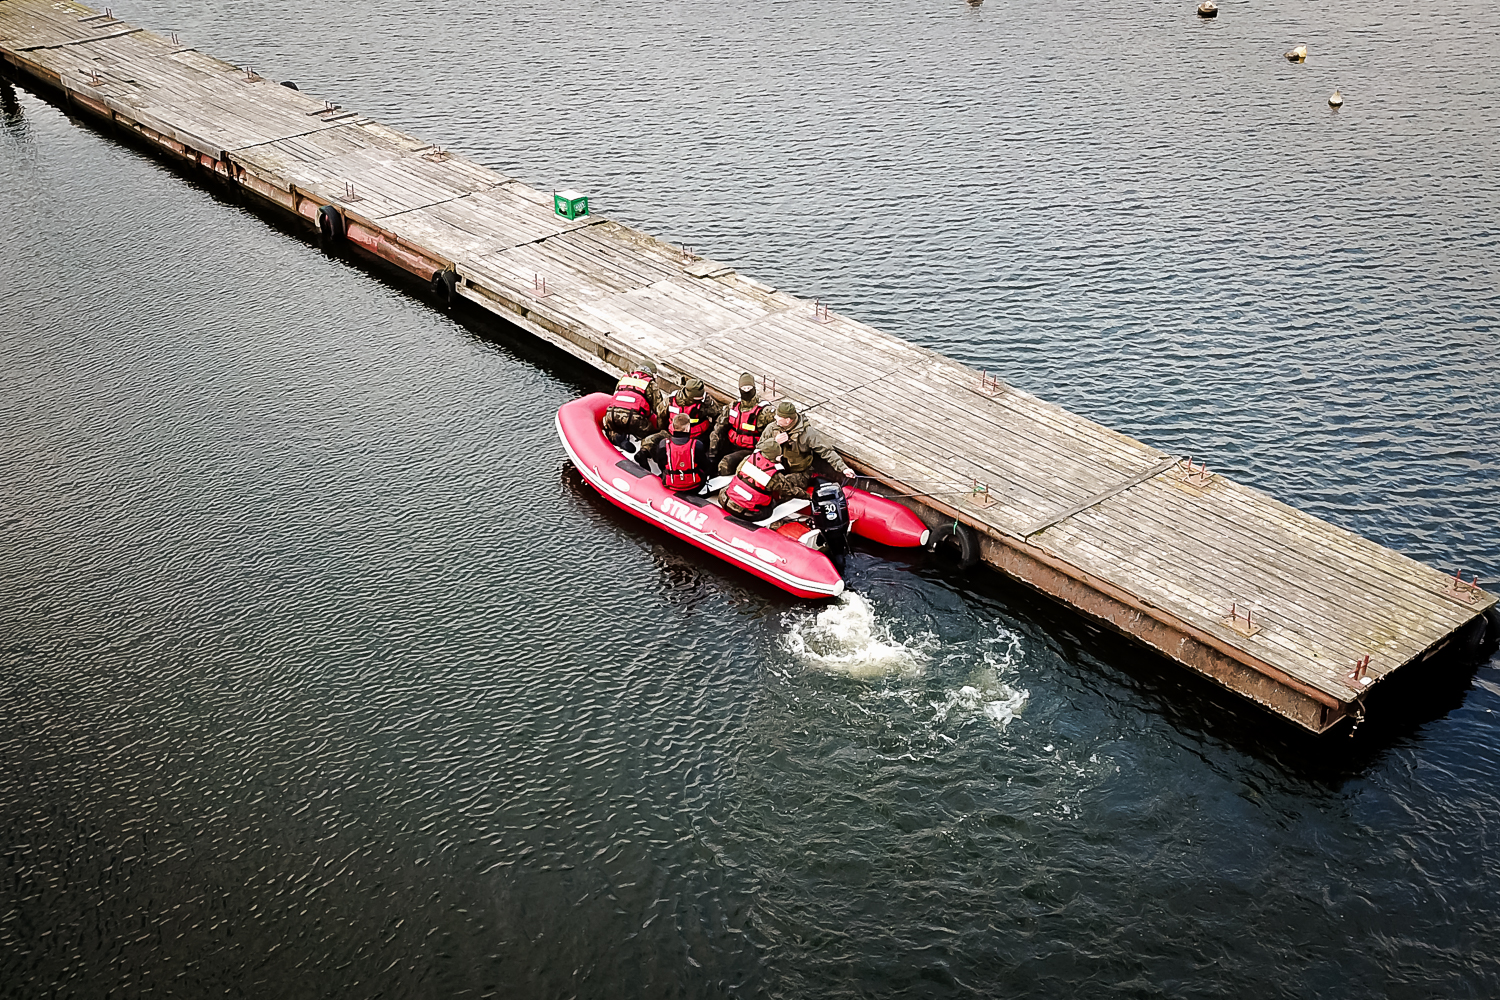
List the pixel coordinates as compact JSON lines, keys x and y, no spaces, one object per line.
{"x":1208,"y":9}
{"x":1299,"y":54}
{"x":1336,"y":99}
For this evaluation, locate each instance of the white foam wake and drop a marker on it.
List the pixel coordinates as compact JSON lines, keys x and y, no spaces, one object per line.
{"x":985,"y":692}
{"x":848,"y":637}
{"x":999,"y":702}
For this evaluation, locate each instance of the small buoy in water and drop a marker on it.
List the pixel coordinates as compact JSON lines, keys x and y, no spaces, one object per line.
{"x":1208,"y":9}
{"x":1299,"y":54}
{"x":1336,"y":99}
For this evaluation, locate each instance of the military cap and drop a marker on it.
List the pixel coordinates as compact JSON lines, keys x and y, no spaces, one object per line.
{"x":692,"y":389}
{"x":747,"y":381}
{"x":786,"y":408}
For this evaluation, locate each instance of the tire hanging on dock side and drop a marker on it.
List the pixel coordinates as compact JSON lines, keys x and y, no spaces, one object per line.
{"x":290,"y":85}
{"x":330,"y":224}
{"x":1489,"y":639}
{"x":445,"y":286}
{"x":956,"y":537}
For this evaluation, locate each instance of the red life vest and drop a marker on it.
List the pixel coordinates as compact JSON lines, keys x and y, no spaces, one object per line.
{"x":681,"y":473}
{"x":698,"y":425}
{"x":630,"y":394}
{"x":750,"y":489}
{"x":741,"y":425}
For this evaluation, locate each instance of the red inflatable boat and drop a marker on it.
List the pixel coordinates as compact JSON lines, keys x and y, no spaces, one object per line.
{"x":782,"y":555}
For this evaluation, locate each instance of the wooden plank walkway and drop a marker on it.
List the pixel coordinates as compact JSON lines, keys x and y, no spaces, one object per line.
{"x":1126,"y":534}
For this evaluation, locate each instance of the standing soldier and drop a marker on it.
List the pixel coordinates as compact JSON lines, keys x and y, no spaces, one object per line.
{"x":739,"y":427}
{"x":700,"y":409}
{"x":800,"y":442}
{"x":633,"y":411}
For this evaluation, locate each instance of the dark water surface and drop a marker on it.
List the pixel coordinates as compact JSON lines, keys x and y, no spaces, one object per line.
{"x":319,"y":676}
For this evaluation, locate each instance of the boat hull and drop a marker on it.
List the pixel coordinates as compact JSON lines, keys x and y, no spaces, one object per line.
{"x":762,"y":552}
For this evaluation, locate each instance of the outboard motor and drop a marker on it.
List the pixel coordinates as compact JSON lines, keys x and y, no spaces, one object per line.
{"x":830,"y":512}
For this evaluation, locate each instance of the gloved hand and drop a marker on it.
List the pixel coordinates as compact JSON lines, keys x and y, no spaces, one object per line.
{"x":849,"y":473}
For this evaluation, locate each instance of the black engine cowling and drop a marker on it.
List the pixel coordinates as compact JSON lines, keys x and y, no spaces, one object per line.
{"x":830,"y":513}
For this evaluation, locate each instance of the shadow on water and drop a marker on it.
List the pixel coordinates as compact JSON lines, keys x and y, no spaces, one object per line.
{"x":13,"y":121}
{"x":515,"y":343}
{"x":1200,"y":710}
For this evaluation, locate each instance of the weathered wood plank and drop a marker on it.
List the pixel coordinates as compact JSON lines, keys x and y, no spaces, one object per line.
{"x":1234,"y":576}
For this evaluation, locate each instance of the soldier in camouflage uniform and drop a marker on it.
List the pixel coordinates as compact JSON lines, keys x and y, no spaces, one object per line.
{"x":637,"y":402}
{"x":739,"y":427}
{"x":701,"y":409}
{"x":800,"y":443}
{"x":759,"y":484}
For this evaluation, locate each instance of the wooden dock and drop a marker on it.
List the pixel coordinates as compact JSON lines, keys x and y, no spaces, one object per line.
{"x":1270,"y":602}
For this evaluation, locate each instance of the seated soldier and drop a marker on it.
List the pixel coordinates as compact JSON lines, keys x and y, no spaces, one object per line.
{"x":800,"y":443}
{"x":683,"y":459}
{"x":633,"y":410}
{"x":739,"y":427}
{"x":759,"y":484}
{"x":690,"y":400}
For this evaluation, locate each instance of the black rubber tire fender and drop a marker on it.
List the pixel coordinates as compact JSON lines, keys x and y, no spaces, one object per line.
{"x":1489,"y":640}
{"x":445,"y":286}
{"x":290,"y":85}
{"x":963,"y":539}
{"x":330,"y":224}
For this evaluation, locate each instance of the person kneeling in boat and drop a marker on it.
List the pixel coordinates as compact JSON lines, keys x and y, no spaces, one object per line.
{"x":739,"y":427}
{"x":690,"y":401}
{"x":683,"y":458}
{"x":759,"y":484}
{"x":633,"y":410}
{"x":800,"y":444}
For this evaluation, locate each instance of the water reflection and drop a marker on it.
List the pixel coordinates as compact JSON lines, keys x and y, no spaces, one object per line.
{"x":12,"y":118}
{"x":315,"y":667}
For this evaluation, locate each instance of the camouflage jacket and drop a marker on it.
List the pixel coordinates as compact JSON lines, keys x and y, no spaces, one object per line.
{"x":803,"y":441}
{"x":651,"y":390}
{"x":709,"y":410}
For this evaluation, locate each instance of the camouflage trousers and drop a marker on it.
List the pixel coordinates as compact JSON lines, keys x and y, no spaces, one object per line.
{"x":786,"y":485}
{"x":782,"y":486}
{"x":638,"y":425}
{"x":730,"y":463}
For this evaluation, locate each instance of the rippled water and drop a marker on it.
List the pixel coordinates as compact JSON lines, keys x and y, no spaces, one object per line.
{"x":321,"y":676}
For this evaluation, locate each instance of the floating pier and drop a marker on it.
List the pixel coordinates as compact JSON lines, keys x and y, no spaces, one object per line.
{"x":1299,"y":616}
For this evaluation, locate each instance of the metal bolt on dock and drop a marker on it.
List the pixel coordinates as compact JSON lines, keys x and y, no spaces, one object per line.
{"x":1358,"y":676}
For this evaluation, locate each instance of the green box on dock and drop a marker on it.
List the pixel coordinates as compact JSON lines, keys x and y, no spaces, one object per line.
{"x":570,"y":204}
